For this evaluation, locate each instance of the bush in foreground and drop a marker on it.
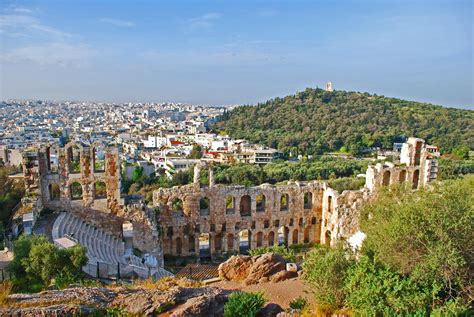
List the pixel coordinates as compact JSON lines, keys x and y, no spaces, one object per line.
{"x":244,"y":304}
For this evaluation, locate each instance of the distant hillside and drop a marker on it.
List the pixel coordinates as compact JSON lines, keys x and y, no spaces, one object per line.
{"x":315,"y":121}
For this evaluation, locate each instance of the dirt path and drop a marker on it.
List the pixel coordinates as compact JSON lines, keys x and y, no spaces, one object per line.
{"x":279,"y":293}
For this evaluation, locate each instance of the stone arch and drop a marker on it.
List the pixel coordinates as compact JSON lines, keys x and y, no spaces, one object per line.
{"x":386,"y":178}
{"x":98,"y":158}
{"x":179,"y":246}
{"x":245,"y":240}
{"x":283,"y":233}
{"x":330,"y":204}
{"x":191,"y":244}
{"x":74,"y":159}
{"x":402,"y":176}
{"x":271,"y":238}
{"x":52,"y":157}
{"x":76,"y":191}
{"x":260,"y":202}
{"x":204,"y":245}
{"x":313,"y":220}
{"x":301,"y":222}
{"x":284,"y":202}
{"x":308,"y":200}
{"x":416,"y":179}
{"x":259,"y":239}
{"x":229,"y":204}
{"x":306,"y":235}
{"x":204,"y":206}
{"x":100,"y":190}
{"x":177,"y":205}
{"x":294,"y":239}
{"x":245,"y":206}
{"x":218,"y":242}
{"x":328,"y":238}
{"x":230,"y":242}
{"x":54,"y":191}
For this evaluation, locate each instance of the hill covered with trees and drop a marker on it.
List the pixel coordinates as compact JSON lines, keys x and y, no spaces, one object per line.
{"x":316,"y":121}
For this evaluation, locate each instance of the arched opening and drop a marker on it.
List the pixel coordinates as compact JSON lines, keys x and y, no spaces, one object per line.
{"x":218,"y":242}
{"x":54,"y":191}
{"x":294,"y":239}
{"x":418,"y":152}
{"x":306,"y":235}
{"x":416,"y":177}
{"x":308,"y":200}
{"x":100,"y":190}
{"x":259,"y":239}
{"x":313,"y":220}
{"x":204,"y":206}
{"x":204,"y":245}
{"x":229,"y":205}
{"x":191,"y":244}
{"x":328,"y":238}
{"x":260,"y":200}
{"x":402,"y":176}
{"x":76,"y":191}
{"x":245,"y":206}
{"x":271,"y":238}
{"x":330,"y":204}
{"x":244,"y":241}
{"x":230,"y":242}
{"x":283,"y":233}
{"x":284,"y":201}
{"x":301,"y":222}
{"x":179,"y":246}
{"x":99,"y":158}
{"x":74,"y":159}
{"x":53,"y":159}
{"x":291,"y":222}
{"x":386,"y":178}
{"x":177,"y":206}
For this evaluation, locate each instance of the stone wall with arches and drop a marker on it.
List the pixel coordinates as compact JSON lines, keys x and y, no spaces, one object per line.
{"x":260,"y":211}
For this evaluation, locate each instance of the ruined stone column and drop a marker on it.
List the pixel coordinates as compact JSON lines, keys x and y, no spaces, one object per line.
{"x":211,"y":177}
{"x":197,"y":176}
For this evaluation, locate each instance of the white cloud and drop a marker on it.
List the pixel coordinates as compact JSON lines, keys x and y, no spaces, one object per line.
{"x":26,"y":25}
{"x":22,"y":10}
{"x":204,"y":21}
{"x":117,"y":22}
{"x":51,"y":54}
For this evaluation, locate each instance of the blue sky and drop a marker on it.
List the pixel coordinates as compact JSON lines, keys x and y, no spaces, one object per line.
{"x":234,"y":52}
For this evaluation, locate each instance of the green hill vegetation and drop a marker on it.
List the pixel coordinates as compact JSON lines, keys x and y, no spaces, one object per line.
{"x":315,"y":121}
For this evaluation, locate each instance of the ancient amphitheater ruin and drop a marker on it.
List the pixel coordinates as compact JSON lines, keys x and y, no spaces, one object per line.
{"x":195,"y":220}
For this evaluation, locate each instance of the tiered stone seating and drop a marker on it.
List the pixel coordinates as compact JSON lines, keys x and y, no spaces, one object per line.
{"x":101,"y":246}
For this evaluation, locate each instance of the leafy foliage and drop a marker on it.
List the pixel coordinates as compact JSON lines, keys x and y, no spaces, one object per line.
{"x":11,"y":192}
{"x":298,"y":303}
{"x":450,"y":169}
{"x":325,"y":270}
{"x":36,"y":262}
{"x":347,"y":183}
{"x":416,"y":260}
{"x":428,"y":234}
{"x":243,"y":304}
{"x":315,"y":121}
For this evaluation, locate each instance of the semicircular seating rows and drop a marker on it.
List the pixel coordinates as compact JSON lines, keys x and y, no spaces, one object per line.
{"x":102,"y":248}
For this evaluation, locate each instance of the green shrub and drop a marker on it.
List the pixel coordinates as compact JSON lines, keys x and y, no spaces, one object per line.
{"x":243,"y":304}
{"x":299,"y":303}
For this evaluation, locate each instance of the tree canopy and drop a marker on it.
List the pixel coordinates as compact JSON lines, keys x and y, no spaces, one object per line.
{"x":316,"y":121}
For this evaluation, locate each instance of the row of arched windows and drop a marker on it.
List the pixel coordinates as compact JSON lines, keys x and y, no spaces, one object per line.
{"x":100,"y":191}
{"x":74,"y":159}
{"x":244,"y":204}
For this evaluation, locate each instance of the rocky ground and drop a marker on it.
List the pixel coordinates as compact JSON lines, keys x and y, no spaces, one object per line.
{"x":170,"y":296}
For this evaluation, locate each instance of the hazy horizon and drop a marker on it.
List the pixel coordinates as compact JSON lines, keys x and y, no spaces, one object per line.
{"x":233,"y":53}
